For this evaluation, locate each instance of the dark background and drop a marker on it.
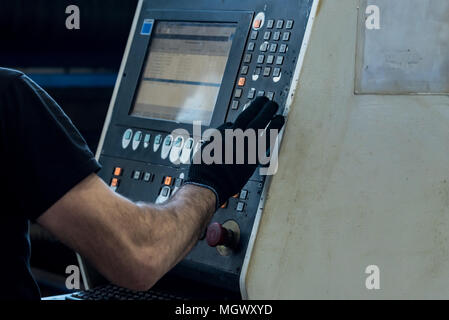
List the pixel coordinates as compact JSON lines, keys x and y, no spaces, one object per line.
{"x":78,"y":68}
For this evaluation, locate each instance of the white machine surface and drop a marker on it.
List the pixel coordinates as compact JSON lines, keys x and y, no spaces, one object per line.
{"x":363,"y":179}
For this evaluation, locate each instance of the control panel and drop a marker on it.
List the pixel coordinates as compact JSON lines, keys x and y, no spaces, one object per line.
{"x":189,"y":63}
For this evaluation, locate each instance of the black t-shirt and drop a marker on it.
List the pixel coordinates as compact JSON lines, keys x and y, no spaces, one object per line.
{"x":42,"y":157}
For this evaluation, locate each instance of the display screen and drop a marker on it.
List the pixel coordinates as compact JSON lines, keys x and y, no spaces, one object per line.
{"x":184,"y":70}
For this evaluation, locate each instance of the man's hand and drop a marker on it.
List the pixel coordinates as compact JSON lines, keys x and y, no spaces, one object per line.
{"x":226,"y":179}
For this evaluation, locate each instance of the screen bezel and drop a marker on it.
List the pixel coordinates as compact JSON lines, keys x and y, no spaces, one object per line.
{"x":139,"y":52}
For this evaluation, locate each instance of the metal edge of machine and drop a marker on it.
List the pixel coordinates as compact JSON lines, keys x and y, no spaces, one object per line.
{"x":288,"y":103}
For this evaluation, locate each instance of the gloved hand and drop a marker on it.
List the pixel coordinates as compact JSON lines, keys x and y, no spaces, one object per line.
{"x":226,"y":180}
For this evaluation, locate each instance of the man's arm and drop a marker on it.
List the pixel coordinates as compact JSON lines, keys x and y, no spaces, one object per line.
{"x":133,"y":245}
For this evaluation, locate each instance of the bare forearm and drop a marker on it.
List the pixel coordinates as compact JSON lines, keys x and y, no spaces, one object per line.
{"x":174,"y":227}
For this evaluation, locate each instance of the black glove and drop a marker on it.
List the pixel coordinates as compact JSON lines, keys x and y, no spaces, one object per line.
{"x":226,"y":180}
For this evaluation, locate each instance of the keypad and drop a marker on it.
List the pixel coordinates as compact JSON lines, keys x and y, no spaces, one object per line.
{"x":269,"y":49}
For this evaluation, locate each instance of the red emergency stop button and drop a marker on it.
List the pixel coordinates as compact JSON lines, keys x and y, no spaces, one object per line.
{"x":217,"y":235}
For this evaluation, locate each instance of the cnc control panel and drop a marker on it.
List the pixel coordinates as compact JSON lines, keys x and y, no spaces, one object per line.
{"x":198,"y":62}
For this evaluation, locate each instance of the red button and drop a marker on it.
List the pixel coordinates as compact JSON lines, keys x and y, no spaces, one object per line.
{"x":118,"y":171}
{"x":257,"y":24}
{"x":242,"y":81}
{"x":216,"y":235}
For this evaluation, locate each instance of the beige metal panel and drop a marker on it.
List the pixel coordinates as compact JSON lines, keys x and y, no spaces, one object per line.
{"x":362,"y":180}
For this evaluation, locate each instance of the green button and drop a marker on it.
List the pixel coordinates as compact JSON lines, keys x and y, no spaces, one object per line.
{"x":147,"y":138}
{"x":157,"y":140}
{"x":168,"y":140}
{"x":138,"y":136}
{"x":128,"y":134}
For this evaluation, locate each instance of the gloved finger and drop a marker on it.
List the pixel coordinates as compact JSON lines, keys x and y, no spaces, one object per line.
{"x":250,"y":113}
{"x":264,"y":116}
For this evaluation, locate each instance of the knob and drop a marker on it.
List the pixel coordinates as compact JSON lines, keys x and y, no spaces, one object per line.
{"x":217,"y":235}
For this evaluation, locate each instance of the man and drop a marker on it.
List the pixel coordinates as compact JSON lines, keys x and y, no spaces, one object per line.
{"x":48,"y":176}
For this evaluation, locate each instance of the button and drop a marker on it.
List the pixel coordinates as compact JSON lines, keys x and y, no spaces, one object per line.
{"x":257,"y":71}
{"x":168,"y":140}
{"x":114,"y":182}
{"x":238,"y":93}
{"x":235,"y":105}
{"x":247,"y":58}
{"x":126,"y":139}
{"x":286,"y":36}
{"x":178,"y":142}
{"x":289,"y":24}
{"x":251,"y":46}
{"x":276,"y":36}
{"x":147,"y":177}
{"x":118,"y":171}
{"x":273,"y":47}
{"x":270,"y":95}
{"x":178,"y":182}
{"x":157,"y":142}
{"x":270,"y":24}
{"x":257,"y":24}
{"x":260,"y":58}
{"x":260,"y":93}
{"x":168,"y":181}
{"x":242,"y":81}
{"x":217,"y":235}
{"x":266,"y":71}
{"x":279,"y":24}
{"x":146,"y":140}
{"x":235,"y":196}
{"x":264,"y":46}
{"x":138,"y":136}
{"x":243,"y":194}
{"x":267,"y":35}
{"x":244,"y":70}
{"x":276,"y":72}
{"x":283,"y":48}
{"x":136,"y":175}
{"x":279,"y":60}
{"x":270,"y":59}
{"x":254,"y":35}
{"x":224,"y":205}
{"x":165,"y":192}
{"x":189,"y":144}
{"x":240,"y":207}
{"x":251,"y":93}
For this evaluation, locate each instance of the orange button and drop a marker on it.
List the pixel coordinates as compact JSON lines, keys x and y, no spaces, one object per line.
{"x":114,"y":182}
{"x":235,"y":195}
{"x":224,"y":205}
{"x":168,"y":180}
{"x":257,"y":24}
{"x":242,"y":81}
{"x":118,"y":171}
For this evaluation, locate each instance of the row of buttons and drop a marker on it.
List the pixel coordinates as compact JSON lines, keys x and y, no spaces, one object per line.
{"x":270,"y":24}
{"x":176,"y":149}
{"x":264,"y":47}
{"x":275,"y":36}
